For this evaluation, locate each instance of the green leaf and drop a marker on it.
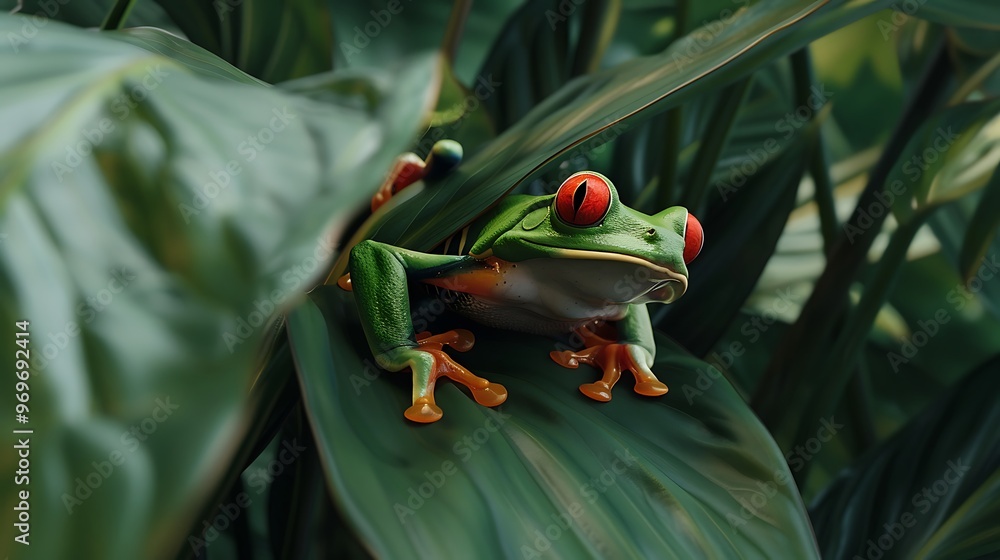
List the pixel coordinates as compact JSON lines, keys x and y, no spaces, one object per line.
{"x":946,"y":159}
{"x":192,"y":56}
{"x":675,"y":477}
{"x":982,"y":229}
{"x":950,"y":225}
{"x":645,"y":27}
{"x":272,"y":40}
{"x":981,"y":14}
{"x":728,"y":269}
{"x":367,"y":33}
{"x":717,"y":132}
{"x":932,"y":491}
{"x":460,"y":115}
{"x":204,"y":25}
{"x":148,"y":243}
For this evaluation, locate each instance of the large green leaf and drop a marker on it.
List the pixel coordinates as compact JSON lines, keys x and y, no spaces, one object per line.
{"x":690,"y":475}
{"x":148,"y":241}
{"x":932,"y":491}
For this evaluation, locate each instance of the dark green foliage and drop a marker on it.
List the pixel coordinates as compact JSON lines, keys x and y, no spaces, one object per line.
{"x":172,"y":197}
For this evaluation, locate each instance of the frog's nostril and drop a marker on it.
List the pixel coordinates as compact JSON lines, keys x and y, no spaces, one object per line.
{"x":651,"y":232}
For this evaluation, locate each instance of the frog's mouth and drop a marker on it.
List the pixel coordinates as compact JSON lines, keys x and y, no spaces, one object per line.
{"x":666,"y":291}
{"x":627,"y":279}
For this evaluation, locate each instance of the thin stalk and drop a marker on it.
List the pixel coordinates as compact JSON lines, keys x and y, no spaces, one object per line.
{"x":456,"y":27}
{"x":241,"y":526}
{"x":819,"y":165}
{"x":666,"y":193}
{"x":861,"y":406}
{"x":667,"y":183}
{"x":599,"y":21}
{"x":713,"y":141}
{"x":117,"y":16}
{"x":840,"y":367}
{"x":862,"y":422}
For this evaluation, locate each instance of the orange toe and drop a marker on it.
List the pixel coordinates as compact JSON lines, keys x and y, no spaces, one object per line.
{"x":599,"y":391}
{"x":491,"y":395}
{"x":424,"y":411}
{"x":651,"y":388}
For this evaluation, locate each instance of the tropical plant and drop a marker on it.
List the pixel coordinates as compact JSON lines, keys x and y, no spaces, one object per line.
{"x":178,"y":180}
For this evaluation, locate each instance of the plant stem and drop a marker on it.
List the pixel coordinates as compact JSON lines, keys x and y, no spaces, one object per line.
{"x":456,"y":27}
{"x":117,"y":16}
{"x":667,"y":183}
{"x":840,"y":367}
{"x":819,"y":165}
{"x":713,"y":141}
{"x":804,"y":346}
{"x":241,"y":526}
{"x":861,"y":406}
{"x":599,"y":21}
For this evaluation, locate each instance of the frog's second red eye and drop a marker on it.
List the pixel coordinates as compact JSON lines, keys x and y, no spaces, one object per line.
{"x":583,"y":199}
{"x":694,"y":238}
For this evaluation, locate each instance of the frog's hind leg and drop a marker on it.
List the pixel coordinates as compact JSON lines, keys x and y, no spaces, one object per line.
{"x":380,"y":274}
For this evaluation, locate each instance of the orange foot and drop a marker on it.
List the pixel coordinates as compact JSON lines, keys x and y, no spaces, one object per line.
{"x":437,"y":363}
{"x":612,"y":358}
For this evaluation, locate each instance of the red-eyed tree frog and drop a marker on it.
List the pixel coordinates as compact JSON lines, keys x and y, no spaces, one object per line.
{"x":538,"y":264}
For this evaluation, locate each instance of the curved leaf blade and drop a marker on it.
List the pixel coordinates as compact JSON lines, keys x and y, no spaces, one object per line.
{"x":136,"y":277}
{"x":982,"y":229}
{"x":194,"y":57}
{"x":932,"y":491}
{"x":682,"y":475}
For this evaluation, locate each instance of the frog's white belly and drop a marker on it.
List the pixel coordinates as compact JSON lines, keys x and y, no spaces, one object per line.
{"x":550,"y":296}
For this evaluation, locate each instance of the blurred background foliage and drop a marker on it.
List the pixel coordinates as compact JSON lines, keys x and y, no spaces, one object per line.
{"x":782,"y":125}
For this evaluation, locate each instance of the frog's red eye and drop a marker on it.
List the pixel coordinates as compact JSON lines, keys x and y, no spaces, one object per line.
{"x":583,"y":199}
{"x":694,"y":238}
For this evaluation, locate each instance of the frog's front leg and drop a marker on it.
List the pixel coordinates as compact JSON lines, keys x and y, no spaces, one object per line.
{"x":379,"y":279}
{"x":634,"y":352}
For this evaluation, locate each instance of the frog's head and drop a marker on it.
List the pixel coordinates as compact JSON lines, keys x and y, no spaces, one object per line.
{"x":603,"y":248}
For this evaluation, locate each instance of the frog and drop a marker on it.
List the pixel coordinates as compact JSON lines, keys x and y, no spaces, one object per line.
{"x":574,"y":261}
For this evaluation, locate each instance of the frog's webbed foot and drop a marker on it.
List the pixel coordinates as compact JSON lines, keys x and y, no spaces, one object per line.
{"x":429,"y":362}
{"x":612,"y":358}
